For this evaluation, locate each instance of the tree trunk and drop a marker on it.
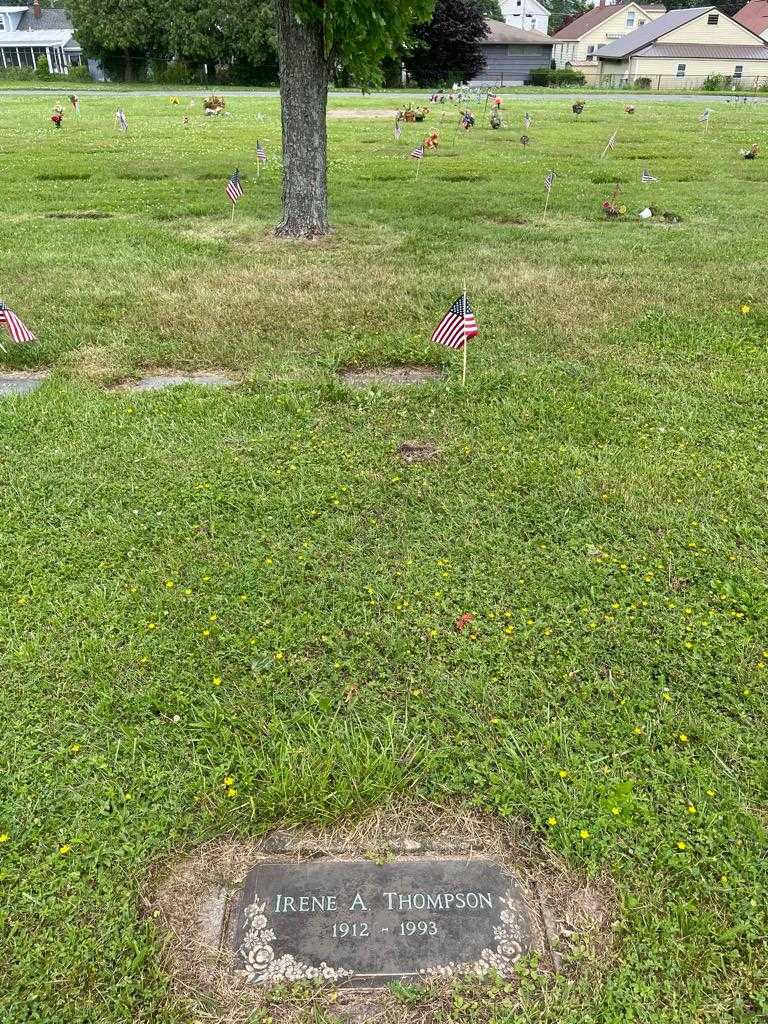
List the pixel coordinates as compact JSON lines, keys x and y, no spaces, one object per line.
{"x":304,"y":75}
{"x":127,"y":66}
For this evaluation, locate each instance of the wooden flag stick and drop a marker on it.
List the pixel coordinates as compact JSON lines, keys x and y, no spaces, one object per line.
{"x":233,"y":211}
{"x":607,"y":147}
{"x":418,"y":167}
{"x":464,"y":347}
{"x":546,"y":201}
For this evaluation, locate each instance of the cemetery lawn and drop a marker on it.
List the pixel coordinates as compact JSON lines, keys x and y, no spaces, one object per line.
{"x":246,"y":584}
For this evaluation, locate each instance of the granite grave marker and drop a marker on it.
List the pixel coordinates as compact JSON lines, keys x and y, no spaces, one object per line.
{"x":359,"y":923}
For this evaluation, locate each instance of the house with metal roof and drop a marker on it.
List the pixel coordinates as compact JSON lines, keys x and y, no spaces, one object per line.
{"x":29,"y":32}
{"x":578,"y":39}
{"x":511,"y":54}
{"x":754,"y":17}
{"x":685,"y":47}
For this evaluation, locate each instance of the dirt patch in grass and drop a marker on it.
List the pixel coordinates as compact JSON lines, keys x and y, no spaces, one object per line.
{"x":160,"y":379}
{"x":80,"y":215}
{"x":418,"y":451}
{"x":358,"y":113}
{"x":193,"y":899}
{"x":397,"y":376}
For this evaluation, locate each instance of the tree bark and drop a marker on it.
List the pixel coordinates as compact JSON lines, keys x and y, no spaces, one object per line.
{"x":304,"y":75}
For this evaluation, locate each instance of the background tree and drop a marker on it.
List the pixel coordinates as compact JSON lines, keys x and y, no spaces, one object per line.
{"x":128,"y":29}
{"x":492,"y":9}
{"x":729,"y":7}
{"x":314,"y":38}
{"x":561,"y":9}
{"x":447,"y":49}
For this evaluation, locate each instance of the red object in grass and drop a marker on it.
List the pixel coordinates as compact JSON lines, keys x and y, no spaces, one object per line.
{"x":57,"y":119}
{"x":462,"y":621}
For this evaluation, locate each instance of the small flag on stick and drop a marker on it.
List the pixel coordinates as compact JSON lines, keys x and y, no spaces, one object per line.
{"x":75,"y":101}
{"x":18,"y":331}
{"x":456,"y":328}
{"x":646,"y":177}
{"x":398,"y":130}
{"x":611,"y":144}
{"x":261,"y":153}
{"x":418,"y":154}
{"x":527,"y":121}
{"x":548,"y":183}
{"x":234,"y":190}
{"x":704,"y":118}
{"x":122,"y":124}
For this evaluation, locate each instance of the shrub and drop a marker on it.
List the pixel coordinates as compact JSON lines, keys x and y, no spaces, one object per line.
{"x":79,"y":73}
{"x":174,"y":72}
{"x":714,"y":83}
{"x":555,"y":76}
{"x":17,"y":74}
{"x":41,"y":68}
{"x":642,"y":83}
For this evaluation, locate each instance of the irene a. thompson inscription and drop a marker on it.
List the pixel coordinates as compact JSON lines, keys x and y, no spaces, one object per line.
{"x":361,"y":923}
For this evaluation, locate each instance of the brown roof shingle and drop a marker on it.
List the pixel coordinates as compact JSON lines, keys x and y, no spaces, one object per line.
{"x":754,"y":16}
{"x":579,"y":26}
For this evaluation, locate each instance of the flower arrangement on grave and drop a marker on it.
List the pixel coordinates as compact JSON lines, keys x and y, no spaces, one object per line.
{"x":751,"y":153}
{"x":432,"y":140}
{"x":496,"y":121}
{"x":612,"y":208}
{"x":58,"y":115}
{"x":409,"y":114}
{"x":420,"y":113}
{"x":467,"y":120}
{"x":214,"y":105}
{"x":578,"y":107}
{"x":629,"y":109}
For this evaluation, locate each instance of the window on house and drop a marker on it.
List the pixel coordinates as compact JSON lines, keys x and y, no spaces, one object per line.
{"x":680,"y":71}
{"x":738,"y":71}
{"x":630,"y":19}
{"x":640,"y":24}
{"x":712,"y":19}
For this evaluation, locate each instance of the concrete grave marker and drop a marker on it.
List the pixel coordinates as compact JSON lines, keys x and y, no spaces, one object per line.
{"x":359,"y":923}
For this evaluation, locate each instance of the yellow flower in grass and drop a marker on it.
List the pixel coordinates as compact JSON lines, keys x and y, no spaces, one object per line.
{"x":231,"y":791}
{"x":681,"y":845}
{"x":64,"y":849}
{"x":584,"y":834}
{"x":4,"y":837}
{"x":552,"y":820}
{"x":74,"y":748}
{"x":710,"y":792}
{"x":216,"y":680}
{"x":170,"y":584}
{"x":229,"y":781}
{"x":691,"y":808}
{"x":745,"y":309}
{"x":682,"y":737}
{"x":615,"y":811}
{"x":563,"y":773}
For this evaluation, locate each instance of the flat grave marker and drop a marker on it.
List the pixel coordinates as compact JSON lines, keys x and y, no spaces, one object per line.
{"x":359,"y":923}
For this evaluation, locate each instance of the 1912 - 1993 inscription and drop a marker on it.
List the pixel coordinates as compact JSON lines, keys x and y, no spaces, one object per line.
{"x":359,"y":923}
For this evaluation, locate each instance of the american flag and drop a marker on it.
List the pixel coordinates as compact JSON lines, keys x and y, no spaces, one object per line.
{"x":457,"y":326}
{"x":398,"y":130}
{"x":18,"y":331}
{"x":549,"y":181}
{"x":646,"y":177}
{"x":527,"y":121}
{"x":418,"y":153}
{"x":121,"y":121}
{"x":234,"y":188}
{"x":704,"y":117}
{"x":261,"y":153}
{"x":467,"y":120}
{"x":612,"y":141}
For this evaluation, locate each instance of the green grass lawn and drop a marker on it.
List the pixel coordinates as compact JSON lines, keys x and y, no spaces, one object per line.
{"x":247,"y":582}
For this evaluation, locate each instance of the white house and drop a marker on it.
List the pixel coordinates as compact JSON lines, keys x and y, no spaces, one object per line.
{"x":27,"y":33}
{"x":528,"y":15}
